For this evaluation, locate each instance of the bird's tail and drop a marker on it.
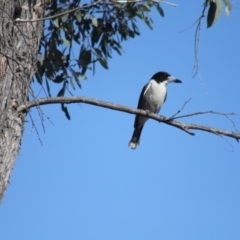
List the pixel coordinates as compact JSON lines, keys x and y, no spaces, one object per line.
{"x":135,"y":140}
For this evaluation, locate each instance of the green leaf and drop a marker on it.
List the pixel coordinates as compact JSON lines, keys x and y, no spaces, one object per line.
{"x":78,"y":15}
{"x":227,"y":11}
{"x":58,"y":79}
{"x":93,"y":67}
{"x":131,"y":34}
{"x":227,"y":3}
{"x":159,"y":9}
{"x":48,"y":88}
{"x":65,"y":110}
{"x":76,"y":38}
{"x":41,"y":59}
{"x":148,"y":23}
{"x":87,"y":16}
{"x":49,"y":72}
{"x":117,"y":44}
{"x":64,"y":17}
{"x":39,"y":78}
{"x":99,"y":53}
{"x":72,"y":83}
{"x":80,"y":75}
{"x":76,"y":78}
{"x":40,"y":71}
{"x":84,"y":59}
{"x":117,"y":50}
{"x":214,"y":12}
{"x":147,"y":6}
{"x":135,"y":28}
{"x":103,"y":48}
{"x":62,"y":90}
{"x":95,"y":36}
{"x":66,"y":42}
{"x":94,"y":22}
{"x":228,"y":7}
{"x":56,"y":22}
{"x":101,"y":59}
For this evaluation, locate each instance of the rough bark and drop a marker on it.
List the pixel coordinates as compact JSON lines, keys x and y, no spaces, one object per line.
{"x":19,"y":45}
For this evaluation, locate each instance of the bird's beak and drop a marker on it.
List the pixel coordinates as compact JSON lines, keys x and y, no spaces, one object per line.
{"x":173,"y":79}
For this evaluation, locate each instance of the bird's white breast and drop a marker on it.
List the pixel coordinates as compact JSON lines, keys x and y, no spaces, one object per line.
{"x":156,"y":93}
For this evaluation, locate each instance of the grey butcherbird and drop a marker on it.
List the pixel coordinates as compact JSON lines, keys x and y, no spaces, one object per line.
{"x":152,"y":97}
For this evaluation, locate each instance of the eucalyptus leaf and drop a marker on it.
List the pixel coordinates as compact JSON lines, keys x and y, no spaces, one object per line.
{"x":39,"y":78}
{"x":97,"y":29}
{"x":75,"y":76}
{"x":227,"y":3}
{"x":84,"y":59}
{"x":65,"y":110}
{"x":78,"y":15}
{"x":117,"y":50}
{"x":228,"y":7}
{"x":94,"y":22}
{"x":72,"y":83}
{"x":103,"y":62}
{"x":64,"y":17}
{"x":66,"y":42}
{"x":58,"y":79}
{"x":48,"y":88}
{"x":101,"y":59}
{"x":159,"y":9}
{"x":214,"y":12}
{"x":56,"y":22}
{"x":61,"y":92}
{"x":82,"y":76}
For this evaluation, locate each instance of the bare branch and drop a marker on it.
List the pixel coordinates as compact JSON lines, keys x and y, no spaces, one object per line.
{"x":183,"y":126}
{"x":18,"y":20}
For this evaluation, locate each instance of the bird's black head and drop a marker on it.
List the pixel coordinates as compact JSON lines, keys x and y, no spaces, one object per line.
{"x":164,"y":76}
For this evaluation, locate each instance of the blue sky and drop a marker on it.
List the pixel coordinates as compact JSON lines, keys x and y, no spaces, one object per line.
{"x":85,"y":183}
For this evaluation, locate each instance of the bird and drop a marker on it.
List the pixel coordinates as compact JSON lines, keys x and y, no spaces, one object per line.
{"x":151,"y":99}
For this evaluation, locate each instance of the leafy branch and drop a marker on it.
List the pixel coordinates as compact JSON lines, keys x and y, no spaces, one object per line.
{"x":77,"y":37}
{"x":214,"y":11}
{"x":186,"y":127}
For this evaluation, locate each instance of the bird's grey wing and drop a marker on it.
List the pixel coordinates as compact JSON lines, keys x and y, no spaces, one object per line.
{"x":144,"y":90}
{"x":140,"y":104}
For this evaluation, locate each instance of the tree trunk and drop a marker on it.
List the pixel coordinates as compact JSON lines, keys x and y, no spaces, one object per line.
{"x":19,"y":43}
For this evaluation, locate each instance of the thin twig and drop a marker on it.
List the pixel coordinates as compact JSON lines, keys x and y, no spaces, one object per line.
{"x":158,"y":1}
{"x":196,"y":45}
{"x":197,"y":40}
{"x":186,"y":29}
{"x":35,"y":128}
{"x":211,"y":112}
{"x":186,"y":102}
{"x":222,"y":137}
{"x":204,"y":112}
